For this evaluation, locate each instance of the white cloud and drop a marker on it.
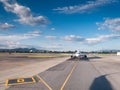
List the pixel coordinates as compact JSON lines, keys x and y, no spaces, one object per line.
{"x":19,"y":37}
{"x":11,"y":45}
{"x":73,"y":38}
{"x":83,"y":8}
{"x":4,"y":26}
{"x":13,"y":41}
{"x":7,"y":44}
{"x":95,"y":40}
{"x":17,"y":44}
{"x":54,"y":46}
{"x":53,"y":29}
{"x":111,"y":24}
{"x":51,"y":37}
{"x":34,"y":33}
{"x":101,"y":38}
{"x":24,"y":13}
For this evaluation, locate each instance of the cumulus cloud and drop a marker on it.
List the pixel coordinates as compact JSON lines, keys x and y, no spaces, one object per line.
{"x":10,"y":44}
{"x":51,"y":37}
{"x":111,"y":24}
{"x":34,"y":33}
{"x":19,"y":37}
{"x":73,"y":38}
{"x":13,"y":41}
{"x":7,"y":44}
{"x":24,"y":13}
{"x":95,"y":40}
{"x":101,"y":38}
{"x":83,"y":8}
{"x":54,"y":46}
{"x":4,"y":26}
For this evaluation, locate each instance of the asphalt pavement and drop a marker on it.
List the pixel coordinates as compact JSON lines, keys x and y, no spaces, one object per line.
{"x":73,"y":74}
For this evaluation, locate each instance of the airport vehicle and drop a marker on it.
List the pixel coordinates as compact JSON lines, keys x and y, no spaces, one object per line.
{"x":79,"y":55}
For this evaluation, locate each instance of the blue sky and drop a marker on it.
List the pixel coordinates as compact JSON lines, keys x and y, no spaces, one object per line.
{"x":60,"y":24}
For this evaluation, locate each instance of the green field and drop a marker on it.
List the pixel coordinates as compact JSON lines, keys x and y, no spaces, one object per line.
{"x":35,"y":55}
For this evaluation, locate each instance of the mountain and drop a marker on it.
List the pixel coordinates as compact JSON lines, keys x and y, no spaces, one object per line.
{"x":21,"y":50}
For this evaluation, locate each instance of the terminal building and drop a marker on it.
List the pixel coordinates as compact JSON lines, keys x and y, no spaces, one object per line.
{"x":118,"y":53}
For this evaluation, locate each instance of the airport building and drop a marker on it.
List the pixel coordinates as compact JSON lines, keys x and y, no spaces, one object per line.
{"x":118,"y":53}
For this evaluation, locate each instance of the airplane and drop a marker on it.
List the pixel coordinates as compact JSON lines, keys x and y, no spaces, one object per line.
{"x":79,"y":55}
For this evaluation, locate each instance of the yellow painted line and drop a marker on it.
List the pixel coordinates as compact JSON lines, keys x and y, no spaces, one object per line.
{"x":6,"y":83}
{"x":68,"y":77}
{"x":44,"y":82}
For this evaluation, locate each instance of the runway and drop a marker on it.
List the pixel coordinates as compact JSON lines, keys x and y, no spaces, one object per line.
{"x":73,"y":75}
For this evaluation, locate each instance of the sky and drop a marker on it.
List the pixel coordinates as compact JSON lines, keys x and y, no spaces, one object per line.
{"x":87,"y":25}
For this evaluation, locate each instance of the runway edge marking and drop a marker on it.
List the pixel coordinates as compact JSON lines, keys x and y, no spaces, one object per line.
{"x":69,"y":75}
{"x":44,"y":82}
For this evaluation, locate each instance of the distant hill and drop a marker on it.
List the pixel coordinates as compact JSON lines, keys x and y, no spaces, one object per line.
{"x":21,"y":50}
{"x":106,"y":51}
{"x":34,"y":50}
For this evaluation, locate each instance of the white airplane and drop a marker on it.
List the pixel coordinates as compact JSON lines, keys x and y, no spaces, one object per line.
{"x":79,"y":55}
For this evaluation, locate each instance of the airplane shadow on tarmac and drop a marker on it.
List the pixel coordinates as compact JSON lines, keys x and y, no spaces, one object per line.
{"x":101,"y":83}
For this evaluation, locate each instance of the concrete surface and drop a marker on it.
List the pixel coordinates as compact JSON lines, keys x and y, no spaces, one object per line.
{"x":96,"y":73}
{"x":28,"y":70}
